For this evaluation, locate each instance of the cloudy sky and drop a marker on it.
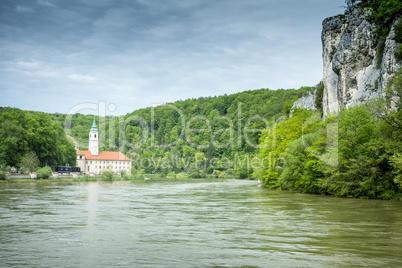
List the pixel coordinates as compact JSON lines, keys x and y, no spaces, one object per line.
{"x":64,"y":55}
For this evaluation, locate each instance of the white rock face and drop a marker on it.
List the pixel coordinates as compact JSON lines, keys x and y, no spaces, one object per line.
{"x":350,"y":55}
{"x":307,"y":102}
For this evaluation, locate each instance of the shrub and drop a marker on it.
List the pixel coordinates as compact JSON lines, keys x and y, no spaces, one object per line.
{"x":30,"y":162}
{"x":181,"y":175}
{"x":85,"y":178}
{"x":108,"y":175}
{"x":137,"y":174}
{"x":222,"y":175}
{"x":2,"y":175}
{"x":13,"y":170}
{"x":126,"y":177}
{"x":398,"y":53}
{"x":171,"y":175}
{"x":44,"y":173}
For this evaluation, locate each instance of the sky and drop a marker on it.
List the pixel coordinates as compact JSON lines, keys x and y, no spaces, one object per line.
{"x":123,"y":55}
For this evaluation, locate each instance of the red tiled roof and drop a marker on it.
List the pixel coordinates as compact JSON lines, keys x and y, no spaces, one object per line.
{"x":113,"y":156}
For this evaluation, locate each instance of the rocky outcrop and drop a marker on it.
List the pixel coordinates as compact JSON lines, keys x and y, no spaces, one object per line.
{"x":306,"y":102}
{"x":351,"y":74}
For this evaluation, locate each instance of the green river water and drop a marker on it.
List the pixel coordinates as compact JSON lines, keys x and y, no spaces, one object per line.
{"x":192,"y":223}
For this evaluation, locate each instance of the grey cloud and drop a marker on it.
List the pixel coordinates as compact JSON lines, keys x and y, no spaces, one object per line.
{"x":134,"y":53}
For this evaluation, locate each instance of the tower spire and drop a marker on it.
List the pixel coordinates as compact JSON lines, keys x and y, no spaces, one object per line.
{"x":93,"y":144}
{"x":93,"y":128}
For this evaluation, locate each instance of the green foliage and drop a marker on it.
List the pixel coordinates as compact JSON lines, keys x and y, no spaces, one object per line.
{"x":137,"y":174}
{"x":181,"y":175}
{"x":365,"y":159}
{"x":398,"y":38}
{"x":275,"y":140}
{"x":23,"y":132}
{"x":319,"y":96}
{"x":389,"y":108}
{"x":303,"y":170}
{"x":380,"y":51}
{"x":108,"y":175}
{"x":171,"y":175}
{"x":44,"y":173}
{"x":30,"y":162}
{"x":195,"y":172}
{"x":396,"y":162}
{"x":225,"y":115}
{"x":398,"y":53}
{"x":383,"y":14}
{"x":3,"y":175}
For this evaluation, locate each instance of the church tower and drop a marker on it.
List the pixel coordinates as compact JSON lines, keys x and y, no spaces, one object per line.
{"x":93,"y":145}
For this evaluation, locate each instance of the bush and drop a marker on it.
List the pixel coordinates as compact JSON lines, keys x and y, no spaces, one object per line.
{"x":181,"y":175}
{"x":126,"y":177}
{"x":222,"y":175}
{"x":108,"y":175}
{"x":137,"y":174}
{"x":30,"y":162}
{"x":13,"y":170}
{"x":398,"y":53}
{"x":44,"y":173}
{"x":195,"y":172}
{"x":171,"y":175}
{"x":85,"y":178}
{"x":2,"y":175}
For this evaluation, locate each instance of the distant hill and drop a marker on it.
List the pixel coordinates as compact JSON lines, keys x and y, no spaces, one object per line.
{"x":154,"y":132}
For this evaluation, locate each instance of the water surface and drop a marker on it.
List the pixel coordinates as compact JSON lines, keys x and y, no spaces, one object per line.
{"x":192,"y":224}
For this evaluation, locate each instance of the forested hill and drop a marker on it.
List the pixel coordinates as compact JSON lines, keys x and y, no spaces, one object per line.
{"x":152,"y":135}
{"x":29,"y":139}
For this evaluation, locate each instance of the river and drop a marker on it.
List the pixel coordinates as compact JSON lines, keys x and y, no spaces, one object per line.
{"x":192,"y":223}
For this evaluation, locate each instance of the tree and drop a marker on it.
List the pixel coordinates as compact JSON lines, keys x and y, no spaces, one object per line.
{"x":30,"y":162}
{"x":274,"y":141}
{"x":22,"y":132}
{"x":108,"y":175}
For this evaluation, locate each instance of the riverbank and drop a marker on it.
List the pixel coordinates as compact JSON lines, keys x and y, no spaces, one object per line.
{"x":86,"y":178}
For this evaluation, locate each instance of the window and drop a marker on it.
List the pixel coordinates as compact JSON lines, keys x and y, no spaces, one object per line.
{"x":91,"y":162}
{"x":86,"y":162}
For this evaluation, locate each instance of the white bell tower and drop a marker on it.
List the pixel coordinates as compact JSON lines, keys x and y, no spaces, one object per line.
{"x":93,"y":144}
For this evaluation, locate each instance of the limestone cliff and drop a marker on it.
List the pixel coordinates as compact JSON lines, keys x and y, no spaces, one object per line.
{"x":350,"y":61}
{"x":306,"y":102}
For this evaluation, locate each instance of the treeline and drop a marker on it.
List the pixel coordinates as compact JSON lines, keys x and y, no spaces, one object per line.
{"x":181,"y":137}
{"x":356,"y":153}
{"x":29,"y":140}
{"x":204,"y":131}
{"x":190,"y":136}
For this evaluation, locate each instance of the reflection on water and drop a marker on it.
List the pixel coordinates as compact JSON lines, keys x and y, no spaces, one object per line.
{"x":192,"y":224}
